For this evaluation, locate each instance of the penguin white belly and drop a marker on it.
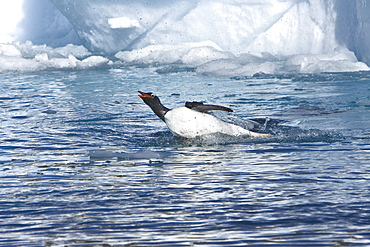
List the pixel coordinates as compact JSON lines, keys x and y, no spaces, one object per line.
{"x":188,"y":123}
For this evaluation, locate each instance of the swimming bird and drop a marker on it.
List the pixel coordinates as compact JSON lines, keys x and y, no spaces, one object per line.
{"x":192,"y":120}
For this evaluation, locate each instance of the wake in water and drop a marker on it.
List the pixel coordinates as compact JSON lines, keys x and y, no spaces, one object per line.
{"x":281,"y":131}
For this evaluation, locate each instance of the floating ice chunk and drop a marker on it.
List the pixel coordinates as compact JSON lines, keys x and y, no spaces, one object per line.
{"x":200,"y":55}
{"x":232,"y":68}
{"x":93,"y":61}
{"x":341,"y":60}
{"x":76,"y":50}
{"x":41,"y":57}
{"x":73,"y":63}
{"x":219,"y":67}
{"x":167,"y":54}
{"x":29,"y":50}
{"x":123,"y":22}
{"x":28,"y":57}
{"x":208,"y":58}
{"x":62,"y":63}
{"x":14,"y":63}
{"x":203,"y":57}
{"x":163,"y":54}
{"x":253,"y":68}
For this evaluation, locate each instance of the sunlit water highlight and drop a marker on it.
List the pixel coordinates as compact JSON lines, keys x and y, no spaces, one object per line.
{"x":84,"y":162}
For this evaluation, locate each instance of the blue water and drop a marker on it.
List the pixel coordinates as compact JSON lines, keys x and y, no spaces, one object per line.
{"x":84,"y":162}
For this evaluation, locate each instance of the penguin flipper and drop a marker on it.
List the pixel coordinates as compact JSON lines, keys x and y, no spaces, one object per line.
{"x":200,"y":107}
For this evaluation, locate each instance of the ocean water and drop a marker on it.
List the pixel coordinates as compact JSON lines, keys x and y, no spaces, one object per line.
{"x":84,"y":162}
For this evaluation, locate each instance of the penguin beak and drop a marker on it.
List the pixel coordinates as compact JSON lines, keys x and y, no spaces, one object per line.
{"x":145,"y":95}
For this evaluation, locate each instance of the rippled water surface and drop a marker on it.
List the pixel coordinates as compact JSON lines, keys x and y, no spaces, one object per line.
{"x":84,"y":162}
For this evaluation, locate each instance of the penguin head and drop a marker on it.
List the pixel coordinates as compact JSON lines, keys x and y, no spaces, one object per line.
{"x":149,"y":98}
{"x":153,"y":102}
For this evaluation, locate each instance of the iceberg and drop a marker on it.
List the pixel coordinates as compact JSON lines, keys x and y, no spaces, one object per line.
{"x":222,"y":37}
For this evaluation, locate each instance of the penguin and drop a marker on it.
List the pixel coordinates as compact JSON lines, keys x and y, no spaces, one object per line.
{"x":193,"y":120}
